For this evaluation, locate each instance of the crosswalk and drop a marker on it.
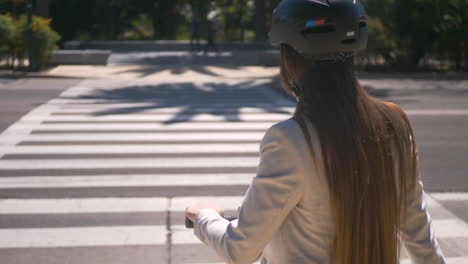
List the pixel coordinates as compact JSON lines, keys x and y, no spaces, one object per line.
{"x":103,"y":173}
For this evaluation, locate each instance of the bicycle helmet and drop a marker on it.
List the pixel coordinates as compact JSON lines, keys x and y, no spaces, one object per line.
{"x":320,"y":29}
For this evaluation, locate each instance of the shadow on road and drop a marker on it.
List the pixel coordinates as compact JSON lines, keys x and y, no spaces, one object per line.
{"x":192,"y":99}
{"x":181,"y":62}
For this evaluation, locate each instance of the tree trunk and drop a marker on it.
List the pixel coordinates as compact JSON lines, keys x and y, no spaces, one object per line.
{"x":42,"y":8}
{"x":260,"y":21}
{"x":240,"y":16}
{"x":165,"y":19}
{"x":15,"y":10}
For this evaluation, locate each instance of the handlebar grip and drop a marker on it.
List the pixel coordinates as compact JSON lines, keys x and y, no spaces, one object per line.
{"x":189,"y":223}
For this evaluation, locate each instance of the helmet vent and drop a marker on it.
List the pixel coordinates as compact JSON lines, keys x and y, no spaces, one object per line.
{"x":348,"y":41}
{"x":319,"y":29}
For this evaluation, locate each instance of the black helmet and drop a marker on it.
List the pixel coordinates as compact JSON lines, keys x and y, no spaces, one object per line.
{"x":321,"y":29}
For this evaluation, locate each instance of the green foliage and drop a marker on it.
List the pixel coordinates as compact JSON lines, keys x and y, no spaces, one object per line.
{"x":418,"y":29}
{"x":14,"y":39}
{"x":236,"y":18}
{"x":402,"y":33}
{"x":452,"y":32}
{"x":7,"y":34}
{"x":381,"y":40}
{"x":44,"y":39}
{"x":140,"y":28}
{"x":414,"y":21}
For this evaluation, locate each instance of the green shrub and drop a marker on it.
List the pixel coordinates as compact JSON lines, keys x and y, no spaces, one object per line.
{"x":381,"y":44}
{"x":451,"y":32}
{"x":44,"y":39}
{"x":7,"y":36}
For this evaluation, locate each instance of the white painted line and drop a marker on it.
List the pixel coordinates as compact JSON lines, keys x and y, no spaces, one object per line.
{"x":82,"y":236}
{"x":162,"y":118}
{"x":433,"y":203}
{"x":450,"y":228}
{"x":148,"y":126}
{"x":456,"y":196}
{"x":430,"y":201}
{"x":256,"y":262}
{"x":461,"y":260}
{"x":204,"y":114}
{"x":224,"y":179}
{"x":175,"y":110}
{"x":214,"y":162}
{"x":70,"y":137}
{"x":14,"y":133}
{"x":137,"y":148}
{"x":183,"y":236}
{"x":225,"y":202}
{"x":78,"y":102}
{"x":437,"y":112}
{"x":82,"y":205}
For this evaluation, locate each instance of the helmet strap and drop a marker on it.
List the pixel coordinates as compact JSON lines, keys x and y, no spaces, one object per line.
{"x":295,"y":89}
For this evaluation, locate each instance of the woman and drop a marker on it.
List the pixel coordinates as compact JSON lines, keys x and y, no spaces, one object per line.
{"x":339,"y":182}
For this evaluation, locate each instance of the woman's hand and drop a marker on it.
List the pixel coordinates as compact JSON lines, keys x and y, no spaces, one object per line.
{"x":192,"y":211}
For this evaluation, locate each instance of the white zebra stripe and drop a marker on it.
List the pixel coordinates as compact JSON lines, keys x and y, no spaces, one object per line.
{"x":450,"y":228}
{"x":128,"y":137}
{"x":137,"y":148}
{"x":82,"y":236}
{"x":82,"y":205}
{"x":226,"y":202}
{"x":437,"y":112}
{"x":224,"y":179}
{"x":154,"y":102}
{"x":211,"y":117}
{"x":111,"y":205}
{"x":183,"y":236}
{"x":456,"y":196}
{"x":214,"y":162}
{"x":160,"y":118}
{"x":174,"y":110}
{"x":144,"y":126}
{"x":448,"y":260}
{"x":14,"y":134}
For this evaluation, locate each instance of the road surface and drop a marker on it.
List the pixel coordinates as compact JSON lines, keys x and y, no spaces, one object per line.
{"x":103,"y":172}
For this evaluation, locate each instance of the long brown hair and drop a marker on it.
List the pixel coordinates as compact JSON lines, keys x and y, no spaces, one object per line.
{"x":369,"y":156}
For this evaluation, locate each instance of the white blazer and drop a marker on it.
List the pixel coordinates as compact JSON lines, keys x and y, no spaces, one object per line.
{"x":285,"y":216}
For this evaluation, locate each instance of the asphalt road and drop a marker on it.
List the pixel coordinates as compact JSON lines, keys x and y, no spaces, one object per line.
{"x":103,"y":173}
{"x":19,"y":96}
{"x":441,"y":130}
{"x":442,"y":136}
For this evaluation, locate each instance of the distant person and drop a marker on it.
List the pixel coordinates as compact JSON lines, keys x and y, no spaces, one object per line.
{"x":338,"y":183}
{"x":195,"y":40}
{"x":211,"y":32}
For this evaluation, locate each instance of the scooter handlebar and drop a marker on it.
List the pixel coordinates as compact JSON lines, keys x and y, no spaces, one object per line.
{"x":189,"y":223}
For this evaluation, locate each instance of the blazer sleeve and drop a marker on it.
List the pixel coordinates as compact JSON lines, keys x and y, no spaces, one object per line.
{"x":418,"y":235}
{"x":273,"y":193}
